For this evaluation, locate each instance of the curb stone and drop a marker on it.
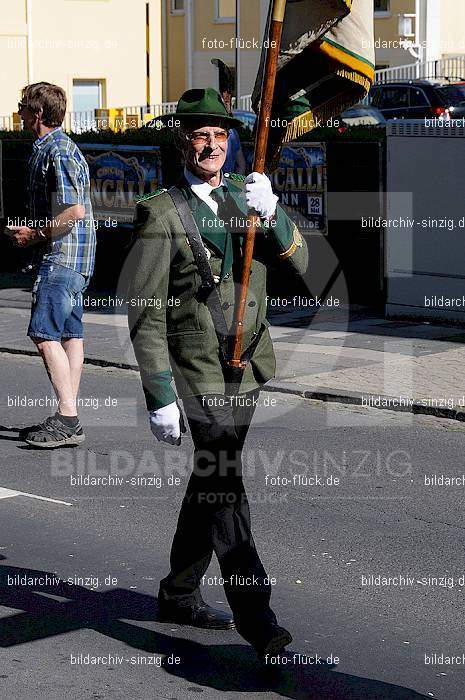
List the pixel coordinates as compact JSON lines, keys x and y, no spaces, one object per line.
{"x":354,"y":398}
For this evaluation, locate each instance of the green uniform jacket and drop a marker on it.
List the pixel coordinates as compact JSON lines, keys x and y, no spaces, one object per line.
{"x":171,"y":327}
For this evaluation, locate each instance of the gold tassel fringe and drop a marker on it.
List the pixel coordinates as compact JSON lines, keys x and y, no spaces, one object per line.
{"x":355,"y":77}
{"x":308,"y":120}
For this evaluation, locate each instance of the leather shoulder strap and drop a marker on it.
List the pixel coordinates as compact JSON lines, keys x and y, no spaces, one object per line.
{"x":193,"y":236}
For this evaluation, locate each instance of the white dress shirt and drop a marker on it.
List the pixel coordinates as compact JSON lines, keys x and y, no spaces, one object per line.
{"x":202,"y":189}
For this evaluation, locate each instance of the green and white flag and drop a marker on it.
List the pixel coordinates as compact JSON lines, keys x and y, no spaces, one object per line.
{"x":325,"y":65}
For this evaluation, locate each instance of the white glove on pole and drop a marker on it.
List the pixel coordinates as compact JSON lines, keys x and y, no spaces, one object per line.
{"x":259,"y":195}
{"x":167,"y":423}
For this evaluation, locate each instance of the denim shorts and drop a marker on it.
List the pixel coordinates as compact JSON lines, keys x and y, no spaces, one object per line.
{"x":57,"y":307}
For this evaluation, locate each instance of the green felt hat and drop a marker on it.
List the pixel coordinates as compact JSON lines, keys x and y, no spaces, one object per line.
{"x":204,"y":103}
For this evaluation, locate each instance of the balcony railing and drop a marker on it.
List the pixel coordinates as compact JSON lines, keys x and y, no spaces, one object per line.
{"x":452,"y":68}
{"x":6,"y":123}
{"x":133,"y":116}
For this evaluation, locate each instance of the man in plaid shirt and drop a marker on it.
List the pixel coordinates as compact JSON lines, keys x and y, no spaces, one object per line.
{"x":61,"y":220}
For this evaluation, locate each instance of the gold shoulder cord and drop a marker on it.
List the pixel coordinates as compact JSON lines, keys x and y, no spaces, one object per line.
{"x":287,"y":253}
{"x":296,"y":243}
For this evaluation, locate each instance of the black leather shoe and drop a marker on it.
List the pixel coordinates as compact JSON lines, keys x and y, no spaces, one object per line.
{"x":272,"y":642}
{"x":202,"y":616}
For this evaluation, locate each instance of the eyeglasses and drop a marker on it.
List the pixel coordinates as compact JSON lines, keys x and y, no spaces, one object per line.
{"x":201,"y":137}
{"x":21,"y":106}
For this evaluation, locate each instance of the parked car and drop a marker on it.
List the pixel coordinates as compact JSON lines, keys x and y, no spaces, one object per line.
{"x":361,"y":115}
{"x":418,"y":99}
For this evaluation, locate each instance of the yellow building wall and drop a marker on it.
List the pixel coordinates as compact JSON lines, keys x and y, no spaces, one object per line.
{"x":78,"y":39}
{"x":156,"y":52}
{"x":92,"y":39}
{"x":215,"y":39}
{"x":387,"y":30}
{"x":210,"y":39}
{"x":106,"y":40}
{"x":13,"y":53}
{"x":452,"y":27}
{"x":386,"y":27}
{"x":176,"y":55}
{"x":206,"y":30}
{"x":204,"y":27}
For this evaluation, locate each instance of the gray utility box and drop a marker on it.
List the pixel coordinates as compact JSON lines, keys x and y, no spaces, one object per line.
{"x":425,"y":220}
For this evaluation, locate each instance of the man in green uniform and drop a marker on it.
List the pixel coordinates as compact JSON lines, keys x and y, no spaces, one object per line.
{"x":174,"y":329}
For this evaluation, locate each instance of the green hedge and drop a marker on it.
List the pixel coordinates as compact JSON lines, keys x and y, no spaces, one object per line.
{"x":163,"y":137}
{"x":142,"y":136}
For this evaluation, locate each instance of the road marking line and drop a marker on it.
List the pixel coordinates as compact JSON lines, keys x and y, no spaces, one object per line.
{"x":8,"y":493}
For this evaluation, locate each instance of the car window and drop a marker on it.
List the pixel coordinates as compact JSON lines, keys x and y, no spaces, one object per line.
{"x":418,"y":98}
{"x":393,"y":97}
{"x":452,"y":94}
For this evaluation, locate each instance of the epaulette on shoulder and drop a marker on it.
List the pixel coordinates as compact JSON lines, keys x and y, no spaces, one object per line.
{"x":150,"y":195}
{"x":235,"y":176}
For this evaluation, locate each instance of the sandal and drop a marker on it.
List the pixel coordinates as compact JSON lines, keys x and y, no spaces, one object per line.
{"x":25,"y":432}
{"x":53,"y":433}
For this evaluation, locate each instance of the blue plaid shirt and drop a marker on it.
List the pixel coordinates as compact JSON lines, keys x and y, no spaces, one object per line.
{"x":58,"y":178}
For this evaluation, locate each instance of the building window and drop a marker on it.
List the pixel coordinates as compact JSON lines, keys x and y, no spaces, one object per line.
{"x":87,"y":95}
{"x":177,"y":7}
{"x":382,"y":7}
{"x":225,"y":10}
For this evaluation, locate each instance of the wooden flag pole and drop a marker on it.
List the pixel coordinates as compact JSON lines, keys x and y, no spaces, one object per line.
{"x":261,"y":144}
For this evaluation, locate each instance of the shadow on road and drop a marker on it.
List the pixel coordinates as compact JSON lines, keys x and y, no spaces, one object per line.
{"x":21,"y":434}
{"x":11,"y":429}
{"x":224,"y":667}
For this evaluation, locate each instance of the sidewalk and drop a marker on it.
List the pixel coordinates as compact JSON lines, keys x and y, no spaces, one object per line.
{"x":364,"y":360}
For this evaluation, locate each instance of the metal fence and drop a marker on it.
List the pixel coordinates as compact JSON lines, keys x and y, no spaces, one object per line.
{"x":6,"y":123}
{"x":452,"y":68}
{"x":79,"y":121}
{"x":245,"y":103}
{"x":124,"y":117}
{"x":133,"y":115}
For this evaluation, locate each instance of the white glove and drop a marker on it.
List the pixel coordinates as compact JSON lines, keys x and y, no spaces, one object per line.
{"x":167,"y":423}
{"x":259,"y":195}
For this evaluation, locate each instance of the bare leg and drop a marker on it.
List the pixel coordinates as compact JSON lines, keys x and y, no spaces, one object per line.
{"x":58,"y":369}
{"x":74,"y":349}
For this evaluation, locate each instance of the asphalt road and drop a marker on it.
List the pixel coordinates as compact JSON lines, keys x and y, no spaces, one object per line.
{"x":104,"y":546}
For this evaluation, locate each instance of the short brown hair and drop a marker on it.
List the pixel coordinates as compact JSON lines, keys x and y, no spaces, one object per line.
{"x":50,"y":98}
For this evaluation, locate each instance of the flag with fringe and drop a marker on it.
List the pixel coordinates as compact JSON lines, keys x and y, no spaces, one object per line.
{"x":325,"y":65}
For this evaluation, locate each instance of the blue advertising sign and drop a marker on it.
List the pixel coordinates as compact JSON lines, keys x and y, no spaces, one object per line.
{"x":119,"y":174}
{"x":300,"y":183}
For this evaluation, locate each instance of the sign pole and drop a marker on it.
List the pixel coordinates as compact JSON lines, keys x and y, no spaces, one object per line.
{"x":237,"y":54}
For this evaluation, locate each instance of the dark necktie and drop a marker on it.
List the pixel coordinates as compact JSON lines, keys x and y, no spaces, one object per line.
{"x":219,"y":196}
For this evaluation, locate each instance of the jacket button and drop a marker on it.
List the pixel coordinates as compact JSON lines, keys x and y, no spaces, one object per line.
{"x":252,"y":303}
{"x":225,"y":306}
